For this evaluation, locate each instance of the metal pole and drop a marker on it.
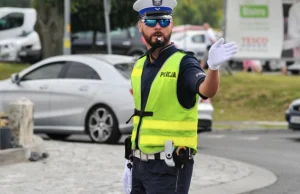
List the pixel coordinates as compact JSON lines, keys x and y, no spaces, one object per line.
{"x":225,"y":18}
{"x":107,"y":24}
{"x":184,"y":35}
{"x":67,"y":29}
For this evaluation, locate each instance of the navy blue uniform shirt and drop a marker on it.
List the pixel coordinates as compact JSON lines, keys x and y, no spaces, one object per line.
{"x":189,"y":79}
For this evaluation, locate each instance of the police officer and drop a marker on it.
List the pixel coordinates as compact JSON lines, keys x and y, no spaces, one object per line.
{"x":167,"y":83}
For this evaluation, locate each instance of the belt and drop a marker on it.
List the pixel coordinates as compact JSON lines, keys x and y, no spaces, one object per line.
{"x":157,"y":156}
{"x":146,"y":157}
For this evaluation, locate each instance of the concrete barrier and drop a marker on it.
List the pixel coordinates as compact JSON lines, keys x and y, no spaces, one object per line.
{"x":20,"y":120}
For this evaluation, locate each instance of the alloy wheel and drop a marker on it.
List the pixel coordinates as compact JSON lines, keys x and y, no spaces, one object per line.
{"x":100,"y":124}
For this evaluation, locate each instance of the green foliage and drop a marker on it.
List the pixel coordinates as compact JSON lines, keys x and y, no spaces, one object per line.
{"x":6,"y":69}
{"x":15,"y":3}
{"x":196,"y":12}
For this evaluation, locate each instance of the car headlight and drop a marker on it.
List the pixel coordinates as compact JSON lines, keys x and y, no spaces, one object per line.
{"x":8,"y":45}
{"x":12,"y":45}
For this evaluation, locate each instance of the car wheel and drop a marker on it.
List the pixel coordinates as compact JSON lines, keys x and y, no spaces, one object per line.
{"x":102,"y":125}
{"x":58,"y":136}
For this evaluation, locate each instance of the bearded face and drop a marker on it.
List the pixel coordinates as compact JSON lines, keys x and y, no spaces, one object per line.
{"x":156,"y":36}
{"x":157,"y":39}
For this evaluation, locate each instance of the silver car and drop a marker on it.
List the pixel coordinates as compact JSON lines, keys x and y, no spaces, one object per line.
{"x":205,"y":115}
{"x":292,"y":115}
{"x":76,"y":94}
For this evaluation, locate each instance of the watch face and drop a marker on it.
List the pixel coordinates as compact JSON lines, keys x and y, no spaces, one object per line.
{"x":157,"y":2}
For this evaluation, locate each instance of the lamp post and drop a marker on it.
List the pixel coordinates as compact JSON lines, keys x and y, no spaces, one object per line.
{"x":107,"y":7}
{"x":67,"y":29}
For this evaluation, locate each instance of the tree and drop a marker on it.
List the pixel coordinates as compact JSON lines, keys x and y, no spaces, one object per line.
{"x":50,"y":26}
{"x":15,"y":3}
{"x":86,"y":15}
{"x":197,"y":12}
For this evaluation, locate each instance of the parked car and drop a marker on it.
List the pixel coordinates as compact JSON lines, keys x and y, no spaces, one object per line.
{"x":76,"y":94}
{"x":15,"y":21}
{"x":31,"y":48}
{"x":25,"y":48}
{"x":18,"y":40}
{"x":127,"y":41}
{"x":205,"y":115}
{"x":191,"y":40}
{"x":292,"y":115}
{"x":294,"y":69}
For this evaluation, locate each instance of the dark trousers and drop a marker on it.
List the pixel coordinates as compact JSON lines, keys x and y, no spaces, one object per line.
{"x":156,"y":177}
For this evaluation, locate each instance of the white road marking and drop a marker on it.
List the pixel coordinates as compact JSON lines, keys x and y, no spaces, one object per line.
{"x":213,"y":136}
{"x":249,"y":138}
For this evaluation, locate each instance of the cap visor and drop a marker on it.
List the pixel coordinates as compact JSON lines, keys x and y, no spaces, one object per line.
{"x":154,"y":17}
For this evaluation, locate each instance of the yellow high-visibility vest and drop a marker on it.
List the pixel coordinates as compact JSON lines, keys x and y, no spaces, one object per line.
{"x":170,"y":120}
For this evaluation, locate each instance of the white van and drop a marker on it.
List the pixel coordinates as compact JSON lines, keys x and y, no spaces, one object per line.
{"x":18,"y":40}
{"x":191,"y":40}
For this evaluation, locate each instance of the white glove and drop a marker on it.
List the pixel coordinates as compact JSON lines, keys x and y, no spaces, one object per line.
{"x":127,"y":179}
{"x":220,"y":53}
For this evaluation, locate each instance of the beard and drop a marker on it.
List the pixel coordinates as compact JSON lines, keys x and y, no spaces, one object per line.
{"x":155,"y":43}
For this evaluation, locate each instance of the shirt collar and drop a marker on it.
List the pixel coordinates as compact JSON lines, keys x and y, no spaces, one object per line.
{"x":163,"y":55}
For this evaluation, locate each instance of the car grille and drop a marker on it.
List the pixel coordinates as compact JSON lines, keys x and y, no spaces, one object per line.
{"x":296,"y":108}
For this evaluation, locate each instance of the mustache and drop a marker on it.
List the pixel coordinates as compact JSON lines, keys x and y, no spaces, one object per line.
{"x":157,"y":34}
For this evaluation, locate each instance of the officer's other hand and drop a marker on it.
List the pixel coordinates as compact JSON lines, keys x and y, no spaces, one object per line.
{"x":220,"y":53}
{"x":127,"y":179}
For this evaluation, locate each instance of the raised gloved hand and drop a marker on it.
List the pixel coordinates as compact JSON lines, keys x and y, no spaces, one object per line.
{"x":127,"y":178}
{"x":220,"y":53}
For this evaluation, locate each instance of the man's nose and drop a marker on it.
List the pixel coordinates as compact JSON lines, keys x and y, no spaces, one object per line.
{"x":157,"y":26}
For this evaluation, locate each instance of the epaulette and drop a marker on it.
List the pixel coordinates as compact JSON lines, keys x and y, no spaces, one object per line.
{"x":186,"y":52}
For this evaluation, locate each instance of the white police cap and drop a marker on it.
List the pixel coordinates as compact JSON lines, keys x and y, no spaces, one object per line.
{"x":146,"y":7}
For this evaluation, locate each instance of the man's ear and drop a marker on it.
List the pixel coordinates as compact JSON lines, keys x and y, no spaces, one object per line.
{"x":140,"y":26}
{"x":172,"y":23}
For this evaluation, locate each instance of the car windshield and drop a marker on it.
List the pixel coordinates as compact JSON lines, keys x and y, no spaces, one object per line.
{"x":125,"y":69}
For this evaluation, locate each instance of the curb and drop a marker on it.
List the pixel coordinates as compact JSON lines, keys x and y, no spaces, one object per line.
{"x":259,"y":178}
{"x":253,"y":178}
{"x":276,"y":123}
{"x":18,"y":155}
{"x":250,"y":131}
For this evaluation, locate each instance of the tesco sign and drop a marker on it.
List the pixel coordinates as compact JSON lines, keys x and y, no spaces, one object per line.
{"x":255,"y":40}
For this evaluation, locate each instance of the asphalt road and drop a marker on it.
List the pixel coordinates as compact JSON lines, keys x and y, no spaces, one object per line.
{"x":278,"y":152}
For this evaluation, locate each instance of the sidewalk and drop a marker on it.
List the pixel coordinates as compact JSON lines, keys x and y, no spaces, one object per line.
{"x":18,"y":155}
{"x":98,"y":168}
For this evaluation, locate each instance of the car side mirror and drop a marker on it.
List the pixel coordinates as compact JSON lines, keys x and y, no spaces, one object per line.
{"x":15,"y":78}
